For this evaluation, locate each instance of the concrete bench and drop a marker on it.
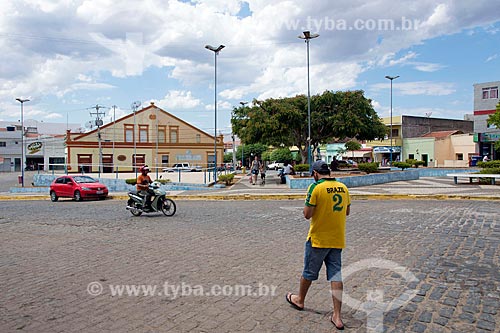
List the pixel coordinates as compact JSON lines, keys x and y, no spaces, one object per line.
{"x":473,"y":175}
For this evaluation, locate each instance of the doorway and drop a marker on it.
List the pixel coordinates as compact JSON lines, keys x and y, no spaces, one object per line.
{"x":425,"y":158}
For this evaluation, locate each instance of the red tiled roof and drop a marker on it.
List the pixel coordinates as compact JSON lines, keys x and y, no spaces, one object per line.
{"x":441,"y":134}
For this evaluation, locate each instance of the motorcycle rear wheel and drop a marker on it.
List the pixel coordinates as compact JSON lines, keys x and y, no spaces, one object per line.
{"x":135,"y":211}
{"x":168,"y":207}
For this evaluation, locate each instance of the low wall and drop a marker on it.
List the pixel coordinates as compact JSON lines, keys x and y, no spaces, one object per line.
{"x":379,"y":178}
{"x":42,"y":183}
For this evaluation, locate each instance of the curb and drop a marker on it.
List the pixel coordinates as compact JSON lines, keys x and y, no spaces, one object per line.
{"x":298,"y":196}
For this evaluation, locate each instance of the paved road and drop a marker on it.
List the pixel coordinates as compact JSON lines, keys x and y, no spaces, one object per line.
{"x":444,"y":253}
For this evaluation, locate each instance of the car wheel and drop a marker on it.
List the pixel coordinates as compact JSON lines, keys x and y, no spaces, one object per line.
{"x":78,"y":196}
{"x":53,"y":196}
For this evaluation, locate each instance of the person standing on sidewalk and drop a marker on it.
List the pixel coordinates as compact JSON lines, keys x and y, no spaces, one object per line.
{"x":262,"y":173}
{"x":255,"y":167}
{"x":327,"y":205}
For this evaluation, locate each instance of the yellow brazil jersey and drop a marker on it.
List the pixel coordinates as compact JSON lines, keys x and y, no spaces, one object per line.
{"x":330,"y":200}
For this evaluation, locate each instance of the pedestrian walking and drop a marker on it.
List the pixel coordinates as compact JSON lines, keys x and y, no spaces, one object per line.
{"x":327,"y":206}
{"x":254,"y":168}
{"x":262,"y":173}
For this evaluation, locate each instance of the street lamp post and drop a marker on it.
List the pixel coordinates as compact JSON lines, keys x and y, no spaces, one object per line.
{"x":241,"y":142}
{"x":391,"y":78}
{"x":216,"y":51}
{"x":20,"y":100}
{"x":307,"y":36}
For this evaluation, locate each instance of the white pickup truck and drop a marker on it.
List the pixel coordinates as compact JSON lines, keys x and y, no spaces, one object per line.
{"x":183,"y":167}
{"x":275,"y":166}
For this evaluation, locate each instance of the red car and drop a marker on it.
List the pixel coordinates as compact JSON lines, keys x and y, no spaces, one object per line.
{"x":78,"y":187}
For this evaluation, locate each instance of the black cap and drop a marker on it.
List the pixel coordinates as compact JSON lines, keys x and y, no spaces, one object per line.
{"x":320,"y":167}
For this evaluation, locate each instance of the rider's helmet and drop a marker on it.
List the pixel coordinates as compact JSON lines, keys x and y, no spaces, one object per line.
{"x":144,"y":168}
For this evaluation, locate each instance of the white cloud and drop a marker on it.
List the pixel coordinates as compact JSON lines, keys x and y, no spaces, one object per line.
{"x":418,"y":88}
{"x":77,"y":45}
{"x":427,"y":67}
{"x":492,"y":57}
{"x":177,"y":99}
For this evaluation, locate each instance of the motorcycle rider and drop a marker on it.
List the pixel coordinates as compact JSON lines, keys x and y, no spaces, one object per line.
{"x":143,"y":181}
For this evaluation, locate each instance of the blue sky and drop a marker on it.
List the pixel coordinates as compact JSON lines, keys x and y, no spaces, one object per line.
{"x":66,"y":56}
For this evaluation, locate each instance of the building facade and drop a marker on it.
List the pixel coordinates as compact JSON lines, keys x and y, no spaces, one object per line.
{"x":149,"y":136}
{"x":485,"y":102}
{"x":44,"y":146}
{"x":408,"y":127}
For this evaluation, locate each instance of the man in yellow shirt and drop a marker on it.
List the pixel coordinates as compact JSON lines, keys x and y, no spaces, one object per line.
{"x":327,"y":205}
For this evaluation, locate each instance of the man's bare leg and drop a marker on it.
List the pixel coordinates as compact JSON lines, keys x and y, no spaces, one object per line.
{"x":303,"y":288}
{"x":337,"y":288}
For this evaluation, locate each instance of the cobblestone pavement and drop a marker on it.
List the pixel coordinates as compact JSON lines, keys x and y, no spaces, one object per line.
{"x":444,"y":253}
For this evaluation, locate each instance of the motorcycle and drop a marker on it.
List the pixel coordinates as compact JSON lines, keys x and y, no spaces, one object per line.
{"x":159,"y":202}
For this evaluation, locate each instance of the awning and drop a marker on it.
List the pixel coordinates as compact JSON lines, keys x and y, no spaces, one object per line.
{"x":358,"y":153}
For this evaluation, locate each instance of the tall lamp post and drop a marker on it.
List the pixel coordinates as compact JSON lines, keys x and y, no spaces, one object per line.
{"x":20,"y":100}
{"x":241,"y":141}
{"x":216,"y":51}
{"x":307,"y":36}
{"x":391,"y":78}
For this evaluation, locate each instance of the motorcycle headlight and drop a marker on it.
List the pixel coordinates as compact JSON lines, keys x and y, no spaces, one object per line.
{"x":85,"y":188}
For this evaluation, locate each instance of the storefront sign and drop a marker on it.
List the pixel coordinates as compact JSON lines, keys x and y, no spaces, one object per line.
{"x":490,"y":137}
{"x":386,"y":150}
{"x":35,"y":147}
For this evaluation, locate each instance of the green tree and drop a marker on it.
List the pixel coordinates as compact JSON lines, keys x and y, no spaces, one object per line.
{"x":228,"y":157}
{"x":249,"y":151}
{"x":494,"y":119}
{"x":352,"y":146}
{"x":282,"y":155}
{"x":266,"y":156}
{"x":334,"y":116}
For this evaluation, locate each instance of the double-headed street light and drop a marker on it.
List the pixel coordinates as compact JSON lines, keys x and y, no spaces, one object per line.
{"x":216,"y":51}
{"x":307,"y":36}
{"x":20,"y":100}
{"x":391,"y":78}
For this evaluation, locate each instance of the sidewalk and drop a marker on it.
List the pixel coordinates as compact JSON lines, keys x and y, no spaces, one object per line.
{"x":423,"y":188}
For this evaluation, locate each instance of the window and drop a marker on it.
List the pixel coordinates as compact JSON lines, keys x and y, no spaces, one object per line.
{"x":129,"y":133}
{"x":460,"y":156}
{"x":411,"y":156}
{"x":143,"y":133}
{"x":494,"y":92}
{"x":174,"y":131}
{"x":198,"y":138}
{"x":491,"y":92}
{"x":395,"y":132}
{"x":162,"y":134}
{"x":2,"y":144}
{"x":164,"y":160}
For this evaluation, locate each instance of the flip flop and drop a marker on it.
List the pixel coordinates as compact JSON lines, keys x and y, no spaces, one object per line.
{"x":289,"y":300}
{"x":340,"y":328}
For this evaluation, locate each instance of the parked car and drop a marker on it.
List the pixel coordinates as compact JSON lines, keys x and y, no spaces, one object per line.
{"x":78,"y":187}
{"x":347,"y":164}
{"x":275,"y":166}
{"x":183,"y":167}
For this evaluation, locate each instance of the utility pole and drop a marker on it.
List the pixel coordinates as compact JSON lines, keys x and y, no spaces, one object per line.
{"x":135,"y":105}
{"x":98,"y":122}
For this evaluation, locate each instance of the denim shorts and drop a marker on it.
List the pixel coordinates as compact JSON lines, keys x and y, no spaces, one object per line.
{"x":314,"y":258}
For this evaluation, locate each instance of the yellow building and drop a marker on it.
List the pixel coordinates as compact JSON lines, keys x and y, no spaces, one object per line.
{"x":153,"y":137}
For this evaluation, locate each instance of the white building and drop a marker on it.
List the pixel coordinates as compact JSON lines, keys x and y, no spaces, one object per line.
{"x":485,"y":102}
{"x":43,"y":144}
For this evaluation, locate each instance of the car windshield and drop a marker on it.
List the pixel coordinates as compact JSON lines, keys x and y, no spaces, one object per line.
{"x":84,"y":179}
